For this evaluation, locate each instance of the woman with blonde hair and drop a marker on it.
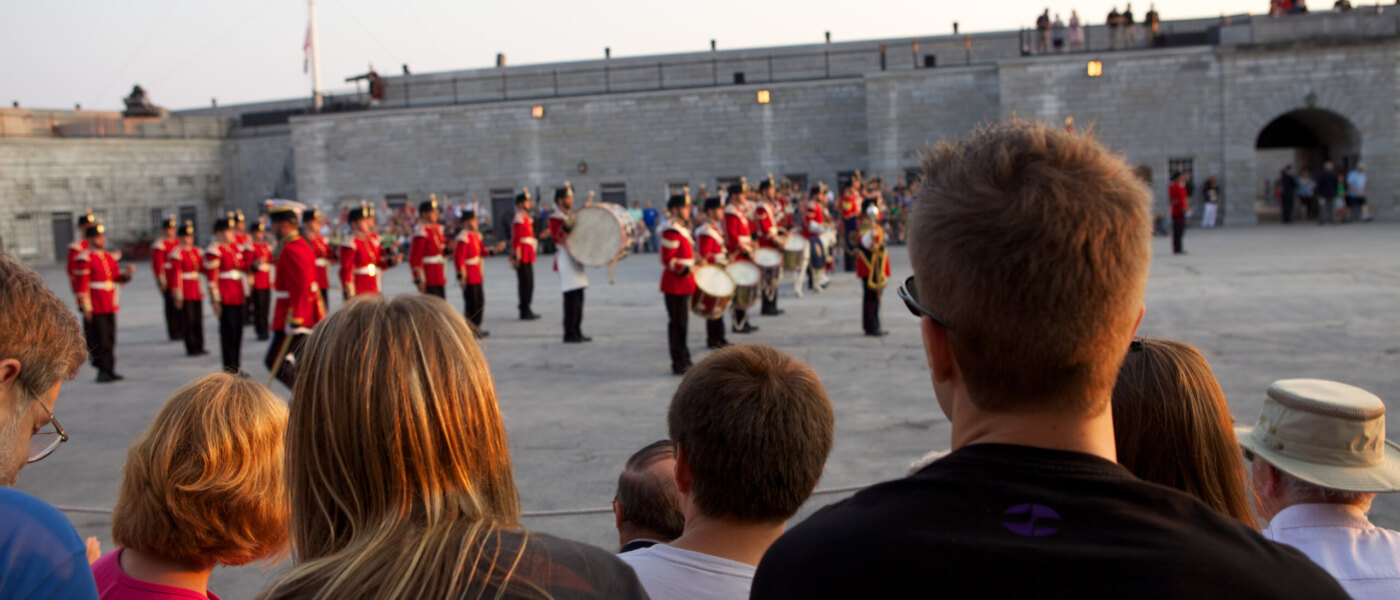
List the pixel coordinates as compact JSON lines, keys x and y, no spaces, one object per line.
{"x":399,"y":471}
{"x":1172,"y":426}
{"x":202,"y":487}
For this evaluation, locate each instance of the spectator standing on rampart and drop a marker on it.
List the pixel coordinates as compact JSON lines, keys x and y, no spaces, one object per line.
{"x":1057,"y":34}
{"x":1076,"y":32}
{"x":1152,"y":21}
{"x":1042,"y":33}
{"x":1317,"y":457}
{"x":1025,"y":322}
{"x":1327,"y":194}
{"x":646,"y":510}
{"x":1129,"y":29}
{"x":1114,"y":22}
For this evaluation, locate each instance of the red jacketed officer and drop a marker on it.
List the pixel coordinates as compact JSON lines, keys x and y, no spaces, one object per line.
{"x":738,"y":241}
{"x":186,"y":268}
{"x":102,"y":279}
{"x":467,"y":256}
{"x":225,"y":265}
{"x":160,"y":254}
{"x":428,"y":253}
{"x":260,"y":270}
{"x":297,"y":306}
{"x":312,"y":221}
{"x":522,"y":248}
{"x":677,"y":281}
{"x":361,"y":256}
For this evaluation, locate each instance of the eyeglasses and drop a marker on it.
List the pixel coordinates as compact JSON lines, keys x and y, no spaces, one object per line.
{"x":910,"y":295}
{"x":44,"y":442}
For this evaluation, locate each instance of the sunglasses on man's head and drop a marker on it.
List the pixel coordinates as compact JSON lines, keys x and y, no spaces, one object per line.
{"x":910,"y":295}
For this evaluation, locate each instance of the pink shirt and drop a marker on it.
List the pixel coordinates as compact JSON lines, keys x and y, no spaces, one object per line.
{"x":114,"y":584}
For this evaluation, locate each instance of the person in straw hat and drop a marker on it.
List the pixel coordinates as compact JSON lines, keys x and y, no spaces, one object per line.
{"x":1317,"y":458}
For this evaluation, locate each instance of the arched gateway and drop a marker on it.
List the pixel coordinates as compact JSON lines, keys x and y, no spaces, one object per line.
{"x":1305,"y":139}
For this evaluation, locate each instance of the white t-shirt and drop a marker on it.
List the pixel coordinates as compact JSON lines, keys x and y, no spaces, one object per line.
{"x":1364,"y":558}
{"x":669,"y":573}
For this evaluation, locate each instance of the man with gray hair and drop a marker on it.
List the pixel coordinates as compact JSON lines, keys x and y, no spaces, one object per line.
{"x":646,"y":509}
{"x":1317,"y":457}
{"x":40,"y":553}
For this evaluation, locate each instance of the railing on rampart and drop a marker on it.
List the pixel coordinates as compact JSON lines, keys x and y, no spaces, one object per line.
{"x":22,"y":123}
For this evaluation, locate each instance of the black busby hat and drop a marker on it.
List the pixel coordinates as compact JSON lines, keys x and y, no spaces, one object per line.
{"x":167,"y":222}
{"x":564,"y":192}
{"x":86,"y":219}
{"x":681,"y":200}
{"x":363,"y":211}
{"x":766,"y":184}
{"x":257,"y":227}
{"x":712,"y":203}
{"x":311,"y":214}
{"x":186,"y":229}
{"x":429,"y":204}
{"x":225,"y":223}
{"x":94,"y":229}
{"x":468,"y":215}
{"x":522,"y":196}
{"x":739,"y":187}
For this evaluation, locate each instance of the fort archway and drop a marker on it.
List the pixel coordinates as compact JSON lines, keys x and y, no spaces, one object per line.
{"x":1304,"y":138}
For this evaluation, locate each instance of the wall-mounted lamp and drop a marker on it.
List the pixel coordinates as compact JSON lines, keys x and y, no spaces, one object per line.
{"x":1095,"y":68}
{"x":763,"y":96}
{"x":537,"y":112}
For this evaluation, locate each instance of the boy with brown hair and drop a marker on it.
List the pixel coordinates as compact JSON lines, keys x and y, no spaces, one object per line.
{"x":1030,"y":248}
{"x":752,"y":428}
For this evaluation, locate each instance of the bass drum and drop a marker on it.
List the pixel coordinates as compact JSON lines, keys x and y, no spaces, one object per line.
{"x":746,"y":276}
{"x":602,"y":235}
{"x":714,"y":288}
{"x":794,"y":251}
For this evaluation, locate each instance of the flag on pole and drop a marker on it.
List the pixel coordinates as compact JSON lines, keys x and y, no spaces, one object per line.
{"x":306,"y":51}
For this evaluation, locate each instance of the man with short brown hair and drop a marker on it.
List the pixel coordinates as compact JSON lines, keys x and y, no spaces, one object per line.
{"x":1030,"y":248}
{"x":752,"y":428}
{"x":645,"y":508}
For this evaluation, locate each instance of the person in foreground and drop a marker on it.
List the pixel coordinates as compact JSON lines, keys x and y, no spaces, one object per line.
{"x":1172,"y":426}
{"x":1317,"y":457}
{"x":40,"y":553}
{"x":399,"y":471}
{"x":752,"y":428}
{"x":202,"y":487}
{"x":1030,"y":248}
{"x":645,"y":509}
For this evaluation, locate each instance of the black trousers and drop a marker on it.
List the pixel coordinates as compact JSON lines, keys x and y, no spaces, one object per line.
{"x":174,"y":324}
{"x":525,"y":282}
{"x":285,"y":349}
{"x":231,"y":336}
{"x":193,"y":311}
{"x":770,"y":301}
{"x":573,"y":314}
{"x":1286,"y":208}
{"x":714,"y":332}
{"x":474,"y":299}
{"x":870,"y":308}
{"x":852,"y":226}
{"x":741,"y":318}
{"x":678,"y":314}
{"x":104,"y":342}
{"x":90,"y":339}
{"x":326,"y":298}
{"x":1178,"y":230}
{"x":262,"y":301}
{"x":436,"y":290}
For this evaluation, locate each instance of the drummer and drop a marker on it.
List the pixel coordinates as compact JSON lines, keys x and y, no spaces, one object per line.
{"x":709,"y":237}
{"x":572,"y":278}
{"x":677,"y":281}
{"x":814,"y":223}
{"x":771,"y":236}
{"x":738,"y":242}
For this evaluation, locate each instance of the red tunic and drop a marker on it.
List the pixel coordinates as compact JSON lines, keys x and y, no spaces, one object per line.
{"x":738,"y":237}
{"x":428,"y":255}
{"x":710,"y":241}
{"x":767,"y":226}
{"x":74,"y":249}
{"x":813,"y":220}
{"x":522,"y":238}
{"x":868,"y":241}
{"x":102,"y":278}
{"x":224,"y":265}
{"x":557,"y":220}
{"x":850,"y":206}
{"x":467,"y":255}
{"x":262,"y":273}
{"x":298,"y":305}
{"x":677,"y":260}
{"x":324,"y":257}
{"x":1177,"y":194}
{"x":160,"y":252}
{"x":186,"y":264}
{"x":361,"y":259}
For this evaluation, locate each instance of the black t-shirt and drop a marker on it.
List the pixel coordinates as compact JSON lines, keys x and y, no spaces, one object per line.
{"x":1327,"y":184}
{"x":1001,"y":521}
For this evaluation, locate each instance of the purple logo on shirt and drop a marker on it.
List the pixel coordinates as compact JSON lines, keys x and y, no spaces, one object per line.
{"x":1041,"y":523}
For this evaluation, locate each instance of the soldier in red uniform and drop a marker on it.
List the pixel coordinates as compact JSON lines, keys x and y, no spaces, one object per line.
{"x":225,"y":264}
{"x":709,"y":240}
{"x":467,"y":255}
{"x":186,"y":266}
{"x":361,"y":256}
{"x":770,"y":235}
{"x":572,"y":277}
{"x":259,"y":257}
{"x":738,"y":241}
{"x":312,"y":221}
{"x":677,"y":281}
{"x":872,"y":267}
{"x":102,"y":279}
{"x":298,"y":305}
{"x":428,"y":253}
{"x":77,"y":247}
{"x":850,"y":219}
{"x":160,"y":253}
{"x":243,"y":239}
{"x":814,"y":222}
{"x":522,"y":248}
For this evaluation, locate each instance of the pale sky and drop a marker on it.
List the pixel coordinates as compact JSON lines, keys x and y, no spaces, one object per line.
{"x":184,"y":52}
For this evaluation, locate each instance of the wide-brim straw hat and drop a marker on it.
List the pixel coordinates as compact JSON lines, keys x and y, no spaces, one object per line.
{"x":1325,"y":433}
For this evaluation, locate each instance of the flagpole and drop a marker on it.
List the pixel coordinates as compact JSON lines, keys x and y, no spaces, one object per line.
{"x":315,"y":61}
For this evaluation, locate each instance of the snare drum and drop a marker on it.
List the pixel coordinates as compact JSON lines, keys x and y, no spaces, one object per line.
{"x":771,"y":262}
{"x":714,"y":288}
{"x":746,"y":276}
{"x":793,"y":251}
{"x":602,"y":235}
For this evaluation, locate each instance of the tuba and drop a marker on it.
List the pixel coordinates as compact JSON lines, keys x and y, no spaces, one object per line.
{"x":876,"y":256}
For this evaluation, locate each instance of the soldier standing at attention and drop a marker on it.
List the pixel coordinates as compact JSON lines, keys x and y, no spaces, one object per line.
{"x":522,"y":248}
{"x":186,"y":265}
{"x":160,"y":251}
{"x":738,"y":242}
{"x":298,"y":305}
{"x":467,"y":255}
{"x":767,"y":215}
{"x":428,"y":253}
{"x":225,"y":264}
{"x":77,"y":247}
{"x":102,"y":278}
{"x":709,"y":240}
{"x":872,"y":267}
{"x":361,"y":255}
{"x":312,"y":221}
{"x":850,"y":220}
{"x":572,"y":278}
{"x":260,"y":265}
{"x":677,"y":281}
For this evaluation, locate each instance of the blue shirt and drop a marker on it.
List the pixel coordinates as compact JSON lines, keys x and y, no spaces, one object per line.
{"x":41,"y":555}
{"x":649,"y":217}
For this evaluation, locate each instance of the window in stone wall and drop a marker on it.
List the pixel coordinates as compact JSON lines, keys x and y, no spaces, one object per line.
{"x":185,"y":180}
{"x":157,"y":215}
{"x":94,"y":183}
{"x":1182,"y":165}
{"x":722,"y":183}
{"x":843,"y":179}
{"x":799,"y":180}
{"x":615,"y":193}
{"x":157,"y":181}
{"x":26,"y":235}
{"x":58,"y":183}
{"x":676,"y":187}
{"x":213,"y":179}
{"x":396,"y":202}
{"x":913,"y":176}
{"x":26,"y":186}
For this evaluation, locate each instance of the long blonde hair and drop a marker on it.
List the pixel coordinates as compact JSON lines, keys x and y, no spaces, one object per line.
{"x":397,"y":460}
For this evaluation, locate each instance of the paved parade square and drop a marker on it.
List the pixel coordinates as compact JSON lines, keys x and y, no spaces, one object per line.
{"x":1261,"y":303}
